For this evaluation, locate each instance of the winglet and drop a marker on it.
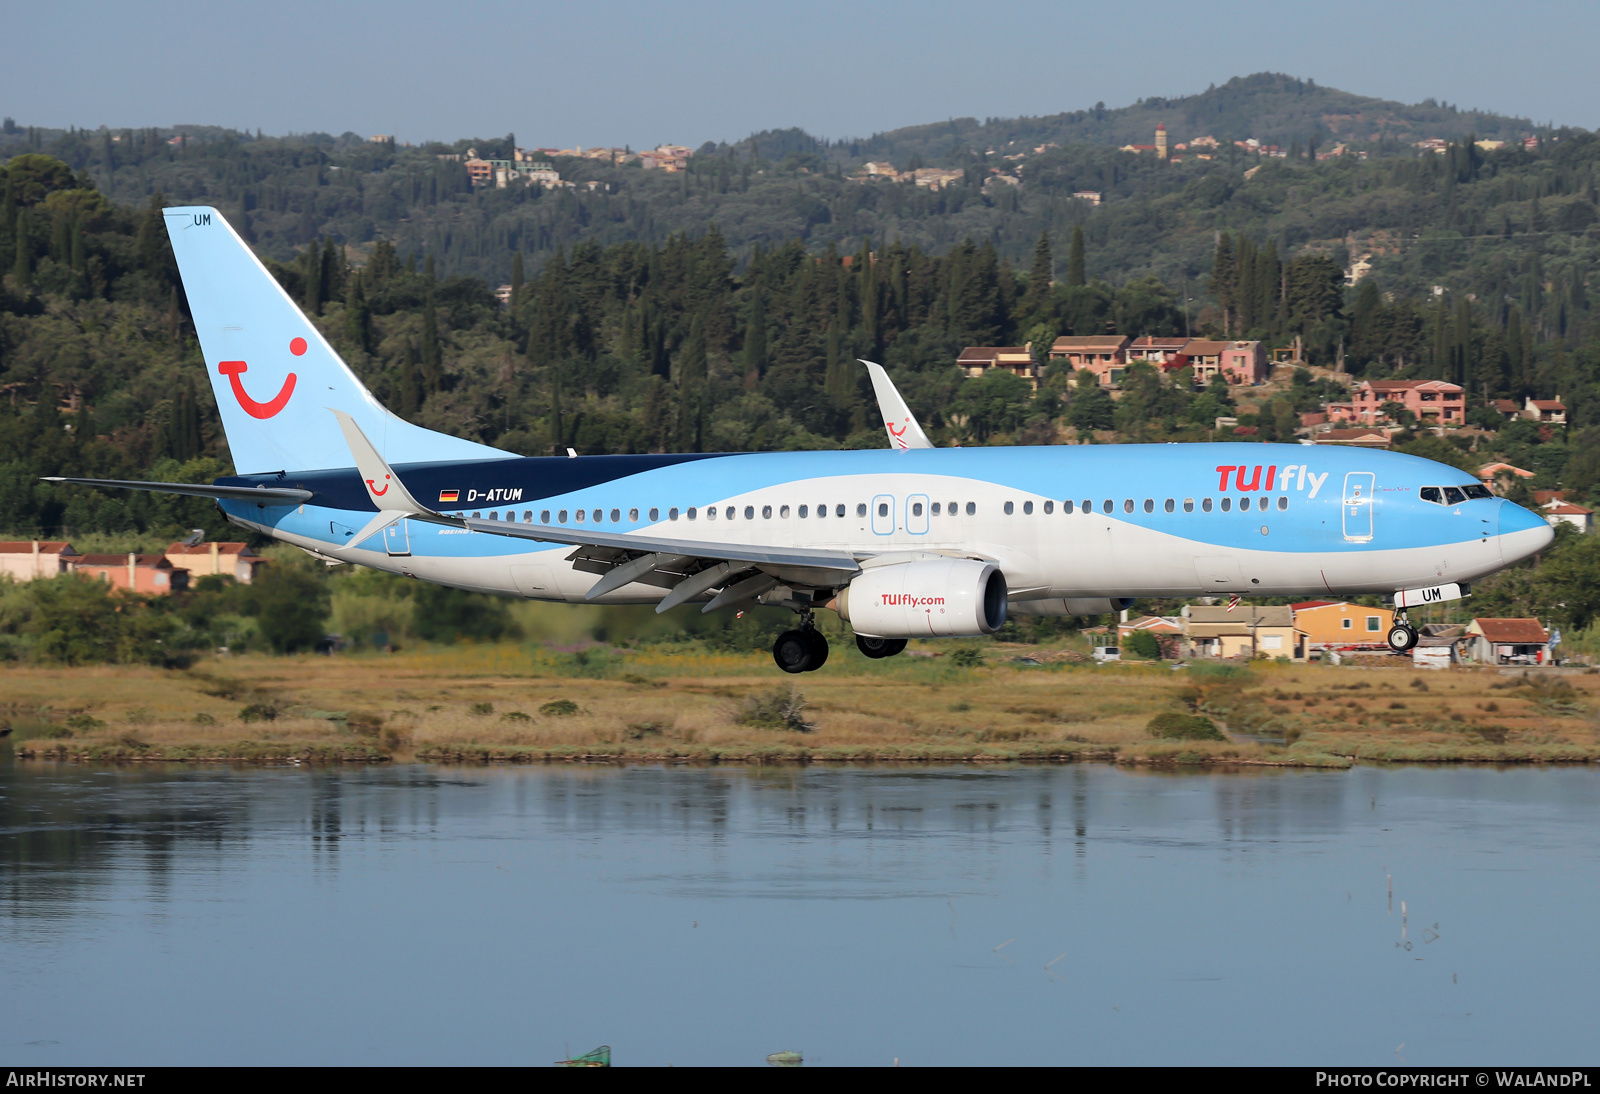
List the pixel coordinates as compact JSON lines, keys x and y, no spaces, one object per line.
{"x":384,"y":488}
{"x":902,"y":427}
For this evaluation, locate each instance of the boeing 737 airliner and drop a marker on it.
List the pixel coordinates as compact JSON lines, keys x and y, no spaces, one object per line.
{"x":910,"y":541}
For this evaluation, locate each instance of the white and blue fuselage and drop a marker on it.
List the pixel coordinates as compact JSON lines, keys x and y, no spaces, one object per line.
{"x":1072,"y":522}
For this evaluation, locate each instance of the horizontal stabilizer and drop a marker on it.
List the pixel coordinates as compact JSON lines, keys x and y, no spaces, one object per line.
{"x":282,"y":495}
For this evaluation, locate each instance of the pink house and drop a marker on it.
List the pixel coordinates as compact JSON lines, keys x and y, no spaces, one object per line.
{"x":149,"y":574}
{"x":1105,"y":355}
{"x":1433,"y":402}
{"x":1237,"y":362}
{"x":28,"y":559}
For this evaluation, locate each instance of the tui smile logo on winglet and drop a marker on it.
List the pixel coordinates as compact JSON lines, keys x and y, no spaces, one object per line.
{"x":233,"y":369}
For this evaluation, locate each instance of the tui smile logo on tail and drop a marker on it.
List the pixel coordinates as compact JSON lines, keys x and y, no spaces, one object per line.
{"x":233,"y":369}
{"x":374,"y":488}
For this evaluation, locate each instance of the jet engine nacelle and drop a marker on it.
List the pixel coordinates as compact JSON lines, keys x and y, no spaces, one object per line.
{"x":1100,"y":606}
{"x":928,"y":598}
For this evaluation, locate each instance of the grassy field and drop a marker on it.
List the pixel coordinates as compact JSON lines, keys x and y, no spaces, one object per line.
{"x":508,"y":703}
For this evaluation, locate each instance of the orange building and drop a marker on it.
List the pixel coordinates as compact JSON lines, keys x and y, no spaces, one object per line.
{"x":149,"y":574}
{"x":1339,"y":623}
{"x":235,"y":560}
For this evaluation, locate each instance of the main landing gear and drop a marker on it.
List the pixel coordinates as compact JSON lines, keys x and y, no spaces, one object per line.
{"x":1402,"y":636}
{"x":879,"y":647}
{"x":802,"y":650}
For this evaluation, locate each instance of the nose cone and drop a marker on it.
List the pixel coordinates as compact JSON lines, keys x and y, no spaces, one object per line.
{"x":1522,"y":533}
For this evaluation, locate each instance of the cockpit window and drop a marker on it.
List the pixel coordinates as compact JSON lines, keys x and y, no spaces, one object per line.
{"x":1453,"y":495}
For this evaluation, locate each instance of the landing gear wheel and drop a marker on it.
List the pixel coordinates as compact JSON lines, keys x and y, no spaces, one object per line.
{"x":879,"y":647}
{"x":794,"y":651}
{"x":819,"y":649}
{"x":1402,"y":637}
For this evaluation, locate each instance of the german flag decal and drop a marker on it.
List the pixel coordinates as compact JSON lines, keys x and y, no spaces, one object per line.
{"x":449,"y":495}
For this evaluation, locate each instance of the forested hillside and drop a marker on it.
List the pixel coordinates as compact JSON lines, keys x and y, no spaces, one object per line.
{"x":1425,"y":220}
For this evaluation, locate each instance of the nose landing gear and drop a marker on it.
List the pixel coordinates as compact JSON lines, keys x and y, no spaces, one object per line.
{"x":1402,"y":636}
{"x":801,"y":650}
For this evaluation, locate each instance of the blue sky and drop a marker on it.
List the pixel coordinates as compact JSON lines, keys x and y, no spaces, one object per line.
{"x":641,"y":73}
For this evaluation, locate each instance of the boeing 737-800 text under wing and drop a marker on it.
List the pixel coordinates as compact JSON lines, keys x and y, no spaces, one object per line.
{"x":905,"y":542}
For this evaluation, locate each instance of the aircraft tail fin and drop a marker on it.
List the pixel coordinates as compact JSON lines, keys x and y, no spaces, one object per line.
{"x":898,"y":421}
{"x":273,"y":373}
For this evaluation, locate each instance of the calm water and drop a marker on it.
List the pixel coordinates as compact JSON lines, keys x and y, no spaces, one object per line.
{"x":1066,"y":915}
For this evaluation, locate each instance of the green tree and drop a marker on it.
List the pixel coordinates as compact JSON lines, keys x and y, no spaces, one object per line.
{"x":440,"y":614}
{"x":1091,"y":407}
{"x":1077,"y":269}
{"x":291,"y":606}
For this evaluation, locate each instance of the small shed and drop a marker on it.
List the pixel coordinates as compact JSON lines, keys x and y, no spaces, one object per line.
{"x":1508,"y":641}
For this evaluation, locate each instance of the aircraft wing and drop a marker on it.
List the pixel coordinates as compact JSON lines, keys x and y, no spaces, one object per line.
{"x":753,"y":554}
{"x":282,"y":495}
{"x":901,"y":424}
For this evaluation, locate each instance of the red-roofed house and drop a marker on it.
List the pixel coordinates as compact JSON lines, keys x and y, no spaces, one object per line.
{"x":1564,"y":512}
{"x":1105,"y":355}
{"x":1507,"y":409}
{"x":1433,"y":402}
{"x":29,"y":559}
{"x":1490,"y":473}
{"x":1547,"y":411}
{"x":149,"y":574}
{"x":976,"y":360}
{"x":235,"y":560}
{"x":1166,"y":353}
{"x":1507,"y":641}
{"x":1238,"y":362}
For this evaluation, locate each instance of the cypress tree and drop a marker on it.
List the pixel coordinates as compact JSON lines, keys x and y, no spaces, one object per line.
{"x":22,"y":260}
{"x":755,"y":344}
{"x":358,"y":316}
{"x":410,"y":397}
{"x":311,"y":267}
{"x":330,"y":279}
{"x":432,"y":357}
{"x":1225,"y":281}
{"x":1039,"y":276}
{"x":1077,"y":271}
{"x":516,"y":277}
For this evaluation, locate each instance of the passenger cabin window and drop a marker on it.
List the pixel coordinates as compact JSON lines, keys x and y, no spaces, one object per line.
{"x":750,"y":512}
{"x":838,"y":511}
{"x":1149,"y":505}
{"x":935,"y":508}
{"x":916,"y":508}
{"x":1049,"y":507}
{"x":691,"y":513}
{"x":861,"y":509}
{"x":1027,"y":508}
{"x":1127,"y":505}
{"x":822,"y":510}
{"x":1066,"y":506}
{"x":1188,"y":505}
{"x":972,"y":508}
{"x":1227,"y":504}
{"x":803,"y":511}
{"x":616,"y":516}
{"x":711,"y":512}
{"x":494,"y":516}
{"x":544,"y":517}
{"x":598,"y":515}
{"x":1283,"y":503}
{"x":562,"y":516}
{"x":1171,"y":505}
{"x":729,"y":513}
{"x":1244,"y":505}
{"x":1008,"y":508}
{"x":783,"y":512}
{"x":883,"y":508}
{"x":655,"y":515}
{"x":1205,"y":504}
{"x":766,"y":512}
{"x":1109,"y":505}
{"x":672,"y":514}
{"x":1088,"y":506}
